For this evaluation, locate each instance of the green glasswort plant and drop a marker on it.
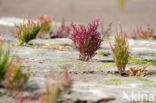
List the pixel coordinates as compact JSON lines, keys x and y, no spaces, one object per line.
{"x":120,"y":50}
{"x":27,"y":31}
{"x":16,"y":77}
{"x":5,"y":60}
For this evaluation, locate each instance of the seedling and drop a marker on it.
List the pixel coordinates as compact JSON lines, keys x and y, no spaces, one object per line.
{"x":27,"y":31}
{"x":120,"y":51}
{"x":87,"y":39}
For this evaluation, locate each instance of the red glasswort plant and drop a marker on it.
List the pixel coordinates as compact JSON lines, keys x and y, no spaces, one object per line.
{"x":63,"y":31}
{"x":87,"y":39}
{"x":144,"y":33}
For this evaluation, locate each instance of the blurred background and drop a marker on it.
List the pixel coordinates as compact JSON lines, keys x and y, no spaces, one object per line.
{"x":129,"y":13}
{"x":135,"y":11}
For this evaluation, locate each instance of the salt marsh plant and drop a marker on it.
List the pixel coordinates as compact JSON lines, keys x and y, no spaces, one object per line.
{"x":87,"y":39}
{"x":120,"y":50}
{"x":27,"y":31}
{"x":45,"y":22}
{"x":146,"y":33}
{"x":11,"y":73}
{"x":15,"y":77}
{"x":5,"y":61}
{"x":63,"y":31}
{"x":134,"y":71}
{"x":56,"y":85}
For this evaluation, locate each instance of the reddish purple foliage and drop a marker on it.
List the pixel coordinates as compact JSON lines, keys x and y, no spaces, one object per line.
{"x":64,"y":31}
{"x":87,"y":39}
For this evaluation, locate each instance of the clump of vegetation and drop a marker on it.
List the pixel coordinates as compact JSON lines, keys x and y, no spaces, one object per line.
{"x":16,"y":77}
{"x":146,"y":33}
{"x":134,"y":71}
{"x":120,"y":50}
{"x":5,"y":61}
{"x":56,"y":85}
{"x":63,"y":31}
{"x":27,"y":31}
{"x":87,"y":39}
{"x":11,"y":73}
{"x":45,"y":22}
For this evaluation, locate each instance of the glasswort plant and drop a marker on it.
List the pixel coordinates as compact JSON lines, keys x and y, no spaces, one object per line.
{"x":87,"y":39}
{"x":120,"y":50}
{"x":56,"y":85}
{"x":45,"y":22}
{"x":144,"y":33}
{"x":63,"y":31}
{"x":5,"y":61}
{"x":16,"y":77}
{"x":26,"y":32}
